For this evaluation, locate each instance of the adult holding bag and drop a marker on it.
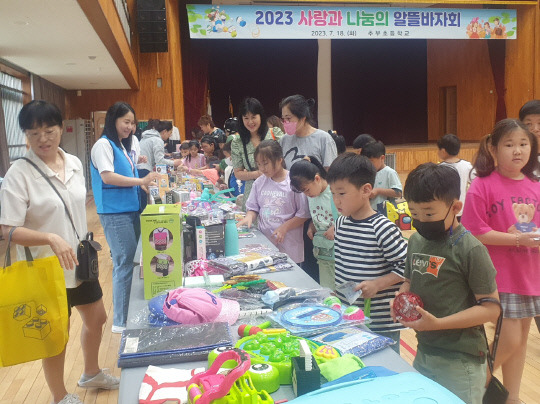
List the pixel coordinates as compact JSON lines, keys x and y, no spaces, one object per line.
{"x":42,"y":224}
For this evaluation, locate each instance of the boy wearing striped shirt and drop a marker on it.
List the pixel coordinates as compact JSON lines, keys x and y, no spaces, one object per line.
{"x":369,"y":248}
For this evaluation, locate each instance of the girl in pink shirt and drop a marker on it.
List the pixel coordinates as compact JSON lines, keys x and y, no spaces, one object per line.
{"x":502,"y":210}
{"x":194,"y":159}
{"x":281,"y":212}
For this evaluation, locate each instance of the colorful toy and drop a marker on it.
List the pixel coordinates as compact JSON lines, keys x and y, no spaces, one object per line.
{"x":400,"y":215}
{"x":311,"y":316}
{"x":265,"y":377}
{"x":405,"y":306}
{"x":235,"y":387}
{"x":245,"y":330}
{"x":333,"y":302}
{"x":353,"y":313}
{"x":276,"y":350}
{"x":327,"y":352}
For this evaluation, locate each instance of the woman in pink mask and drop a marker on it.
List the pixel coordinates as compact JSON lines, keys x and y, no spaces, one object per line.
{"x":253,"y":129}
{"x":304,"y":139}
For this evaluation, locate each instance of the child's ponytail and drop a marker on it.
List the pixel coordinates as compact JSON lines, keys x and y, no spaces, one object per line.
{"x":484,"y":164}
{"x":305,"y":170}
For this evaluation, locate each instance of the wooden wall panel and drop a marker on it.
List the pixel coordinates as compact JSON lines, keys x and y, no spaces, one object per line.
{"x":464,"y":64}
{"x":148,"y":102}
{"x":520,"y":62}
{"x":409,"y":157}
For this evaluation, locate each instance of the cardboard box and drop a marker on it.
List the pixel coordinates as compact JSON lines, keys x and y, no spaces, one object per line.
{"x":161,"y":235}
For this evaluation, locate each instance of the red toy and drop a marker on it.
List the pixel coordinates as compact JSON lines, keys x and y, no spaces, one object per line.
{"x":246,"y":330}
{"x":405,"y":306}
{"x":207,"y":386}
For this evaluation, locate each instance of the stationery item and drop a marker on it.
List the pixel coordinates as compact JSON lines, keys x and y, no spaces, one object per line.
{"x":33,"y":308}
{"x":354,"y":340}
{"x":162,"y":345}
{"x":347,"y":290}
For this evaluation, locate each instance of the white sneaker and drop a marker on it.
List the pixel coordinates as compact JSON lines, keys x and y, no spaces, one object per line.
{"x":103,"y":380}
{"x":117,"y":329}
{"x":70,"y":399}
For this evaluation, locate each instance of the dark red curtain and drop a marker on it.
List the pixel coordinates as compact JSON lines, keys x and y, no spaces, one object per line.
{"x":268,"y":70}
{"x":195,"y":72}
{"x":380,"y":87}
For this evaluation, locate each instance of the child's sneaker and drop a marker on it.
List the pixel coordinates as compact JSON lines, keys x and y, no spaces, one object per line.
{"x":103,"y":380}
{"x":71,"y":399}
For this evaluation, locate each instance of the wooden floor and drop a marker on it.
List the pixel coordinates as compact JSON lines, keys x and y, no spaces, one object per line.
{"x":26,"y":384}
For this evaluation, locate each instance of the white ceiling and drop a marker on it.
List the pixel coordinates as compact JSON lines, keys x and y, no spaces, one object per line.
{"x":55,"y":40}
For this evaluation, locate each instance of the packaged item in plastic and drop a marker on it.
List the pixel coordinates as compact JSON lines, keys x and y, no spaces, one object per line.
{"x":347,"y":290}
{"x":354,"y":340}
{"x":182,"y":343}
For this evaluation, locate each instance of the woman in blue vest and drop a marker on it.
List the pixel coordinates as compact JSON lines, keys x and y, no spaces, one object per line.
{"x":115,"y":184}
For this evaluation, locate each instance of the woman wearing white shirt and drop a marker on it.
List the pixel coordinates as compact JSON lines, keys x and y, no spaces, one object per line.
{"x":115,"y":184}
{"x":30,"y":205}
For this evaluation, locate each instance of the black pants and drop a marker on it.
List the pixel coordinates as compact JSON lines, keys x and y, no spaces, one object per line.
{"x":310,"y":265}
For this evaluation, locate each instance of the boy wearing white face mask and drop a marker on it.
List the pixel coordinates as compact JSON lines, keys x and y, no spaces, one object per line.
{"x":450,"y":270}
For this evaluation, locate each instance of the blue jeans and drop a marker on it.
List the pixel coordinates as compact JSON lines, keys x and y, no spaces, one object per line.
{"x":122,"y":231}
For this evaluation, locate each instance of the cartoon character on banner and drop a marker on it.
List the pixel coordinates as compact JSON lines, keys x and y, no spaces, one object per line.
{"x":220,"y":22}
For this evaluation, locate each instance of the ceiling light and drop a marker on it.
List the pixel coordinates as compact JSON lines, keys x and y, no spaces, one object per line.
{"x":71,"y":64}
{"x":92,"y":57}
{"x":20,"y":22}
{"x":93,"y":83}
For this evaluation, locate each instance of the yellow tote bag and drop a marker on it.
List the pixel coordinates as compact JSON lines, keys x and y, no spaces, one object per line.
{"x":33,"y":309}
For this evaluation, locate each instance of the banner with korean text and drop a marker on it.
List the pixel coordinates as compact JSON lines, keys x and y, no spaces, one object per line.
{"x":293,"y":22}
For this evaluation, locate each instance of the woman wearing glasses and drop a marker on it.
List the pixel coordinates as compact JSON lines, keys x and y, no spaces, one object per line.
{"x":304,"y":139}
{"x":253,"y":129}
{"x":30,"y":205}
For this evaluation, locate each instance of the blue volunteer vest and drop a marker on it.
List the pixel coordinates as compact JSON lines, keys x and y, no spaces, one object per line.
{"x":112,"y":198}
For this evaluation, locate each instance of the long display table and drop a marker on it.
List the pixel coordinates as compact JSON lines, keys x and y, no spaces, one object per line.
{"x":131,"y":378}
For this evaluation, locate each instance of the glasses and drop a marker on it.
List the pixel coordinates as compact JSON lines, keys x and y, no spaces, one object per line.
{"x":49,"y":133}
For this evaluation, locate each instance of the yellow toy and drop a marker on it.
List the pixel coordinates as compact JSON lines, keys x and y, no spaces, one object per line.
{"x":401,"y":215}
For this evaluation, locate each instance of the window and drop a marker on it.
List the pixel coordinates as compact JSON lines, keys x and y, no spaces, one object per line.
{"x":11,"y":95}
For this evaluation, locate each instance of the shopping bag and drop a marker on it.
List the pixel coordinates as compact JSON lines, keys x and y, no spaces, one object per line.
{"x":33,"y":309}
{"x":495,"y":393}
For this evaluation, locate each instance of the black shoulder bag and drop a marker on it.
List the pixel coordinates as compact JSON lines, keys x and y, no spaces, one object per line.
{"x":495,"y":393}
{"x":88,"y":269}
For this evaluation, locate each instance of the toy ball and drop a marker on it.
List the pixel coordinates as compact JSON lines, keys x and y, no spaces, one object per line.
{"x":333,"y":302}
{"x":405,"y":306}
{"x":353,"y":313}
{"x":240,"y":21}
